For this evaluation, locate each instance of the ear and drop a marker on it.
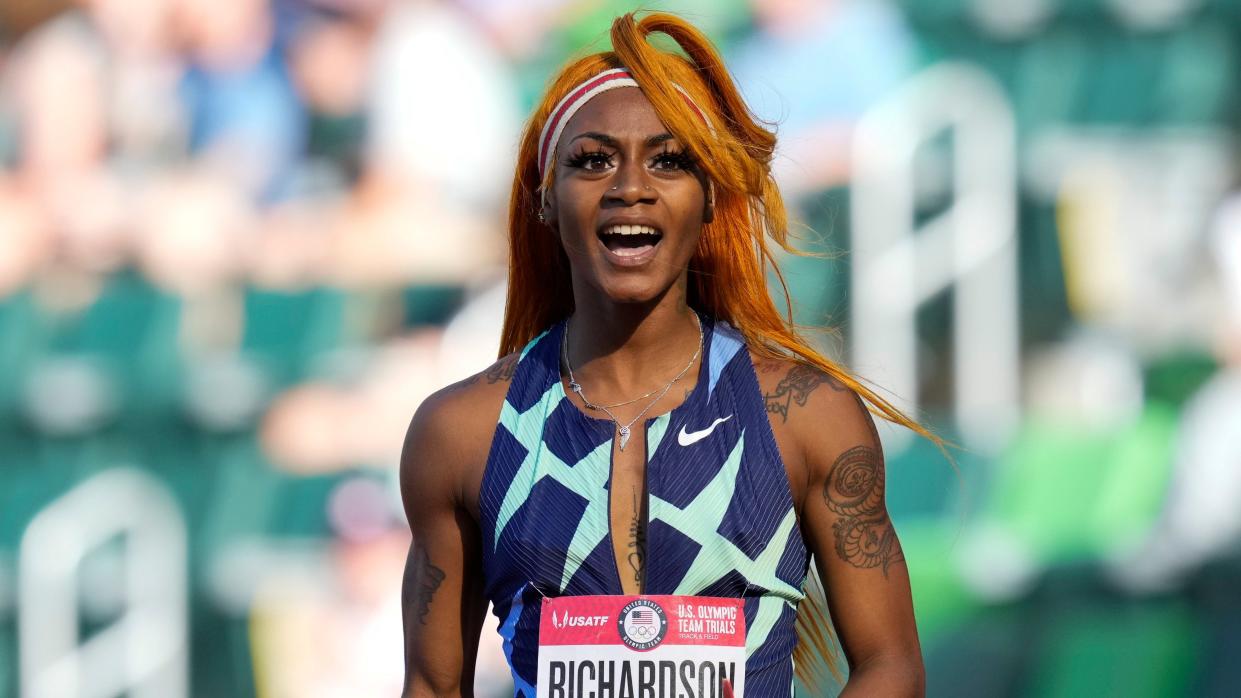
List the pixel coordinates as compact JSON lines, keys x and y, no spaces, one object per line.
{"x":547,"y":208}
{"x":708,"y":208}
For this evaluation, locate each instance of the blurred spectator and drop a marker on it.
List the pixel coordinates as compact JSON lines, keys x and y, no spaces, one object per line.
{"x":59,"y":80}
{"x":27,"y":236}
{"x":289,"y":248}
{"x":244,"y":113}
{"x":357,"y":417}
{"x":328,"y":56}
{"x":19,"y":16}
{"x":444,"y":108}
{"x":192,"y":231}
{"x":386,"y":234}
{"x":148,"y":123}
{"x":337,"y":634}
{"x":814,"y":67}
{"x":517,"y":28}
{"x":1201,"y":520}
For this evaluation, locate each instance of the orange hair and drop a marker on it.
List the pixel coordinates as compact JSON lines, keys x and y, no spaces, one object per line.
{"x":727,"y":274}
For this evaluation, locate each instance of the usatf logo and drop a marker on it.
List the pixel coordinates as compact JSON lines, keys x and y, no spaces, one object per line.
{"x":564,"y":620}
{"x":642,"y":624}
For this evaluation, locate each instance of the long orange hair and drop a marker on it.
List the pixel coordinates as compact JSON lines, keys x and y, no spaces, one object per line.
{"x":727,"y":274}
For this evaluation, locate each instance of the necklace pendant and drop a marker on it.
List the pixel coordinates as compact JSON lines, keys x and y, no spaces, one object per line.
{"x":624,"y":436}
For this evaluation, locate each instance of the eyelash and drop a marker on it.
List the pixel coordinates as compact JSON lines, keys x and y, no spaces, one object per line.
{"x":587,"y":156}
{"x":680,"y":159}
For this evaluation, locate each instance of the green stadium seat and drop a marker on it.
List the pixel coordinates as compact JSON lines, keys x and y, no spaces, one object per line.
{"x":1117,"y":649}
{"x":286,"y":331}
{"x":1214,"y":594}
{"x":921,"y":13}
{"x":20,"y":329}
{"x":942,"y":602}
{"x":8,"y":654}
{"x":587,"y":29}
{"x":1174,"y":378}
{"x":129,"y":334}
{"x":983,"y":657}
{"x":431,"y":304}
{"x":1050,"y":78}
{"x":1069,"y":494}
{"x":818,"y":281}
{"x":1198,"y":83}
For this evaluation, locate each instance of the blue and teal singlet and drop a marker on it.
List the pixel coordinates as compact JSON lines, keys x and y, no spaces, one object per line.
{"x":721,"y":520}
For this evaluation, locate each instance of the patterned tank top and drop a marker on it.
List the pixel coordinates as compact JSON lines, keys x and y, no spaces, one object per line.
{"x":721,"y":520}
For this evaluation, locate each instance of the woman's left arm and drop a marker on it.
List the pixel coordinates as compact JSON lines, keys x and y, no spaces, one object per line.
{"x":845,"y":523}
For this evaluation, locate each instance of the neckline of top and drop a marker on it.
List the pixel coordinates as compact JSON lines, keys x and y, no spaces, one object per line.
{"x":557,"y":380}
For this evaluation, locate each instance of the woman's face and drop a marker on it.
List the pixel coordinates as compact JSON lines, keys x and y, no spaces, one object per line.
{"x":628,"y":201}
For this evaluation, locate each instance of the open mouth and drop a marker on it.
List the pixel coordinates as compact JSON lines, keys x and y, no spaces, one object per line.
{"x":630,"y":240}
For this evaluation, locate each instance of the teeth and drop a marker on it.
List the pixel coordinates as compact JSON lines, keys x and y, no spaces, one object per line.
{"x":629,"y":230}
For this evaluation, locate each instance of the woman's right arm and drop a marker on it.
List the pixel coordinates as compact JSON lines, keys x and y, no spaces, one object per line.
{"x":442,"y":602}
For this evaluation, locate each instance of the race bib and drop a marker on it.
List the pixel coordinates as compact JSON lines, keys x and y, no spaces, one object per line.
{"x":641,"y":647}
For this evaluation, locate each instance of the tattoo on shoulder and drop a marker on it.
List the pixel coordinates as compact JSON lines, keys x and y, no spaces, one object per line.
{"x":795,"y":388}
{"x":864,"y":534}
{"x":424,"y":580}
{"x":768,"y":366}
{"x":502,"y":370}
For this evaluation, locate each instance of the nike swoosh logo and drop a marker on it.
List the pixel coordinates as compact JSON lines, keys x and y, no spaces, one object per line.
{"x":685,"y":438}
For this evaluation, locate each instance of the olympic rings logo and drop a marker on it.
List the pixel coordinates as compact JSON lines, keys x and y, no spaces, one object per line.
{"x":641,"y":631}
{"x":642,"y":624}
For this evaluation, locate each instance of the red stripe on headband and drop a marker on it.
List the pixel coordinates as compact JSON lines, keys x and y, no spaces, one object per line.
{"x":582,"y":92}
{"x":693,"y":106}
{"x":564,"y":106}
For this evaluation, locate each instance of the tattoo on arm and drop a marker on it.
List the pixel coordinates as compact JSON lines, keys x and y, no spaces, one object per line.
{"x":854,"y":490}
{"x":637,"y":541}
{"x":795,"y":388}
{"x":424,"y":580}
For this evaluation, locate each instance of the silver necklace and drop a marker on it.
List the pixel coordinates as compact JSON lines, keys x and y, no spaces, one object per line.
{"x":623,"y":430}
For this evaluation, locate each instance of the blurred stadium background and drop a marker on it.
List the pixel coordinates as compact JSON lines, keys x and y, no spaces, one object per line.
{"x":240,"y":241}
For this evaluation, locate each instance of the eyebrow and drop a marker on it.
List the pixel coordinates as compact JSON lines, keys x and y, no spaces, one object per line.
{"x":611,"y":141}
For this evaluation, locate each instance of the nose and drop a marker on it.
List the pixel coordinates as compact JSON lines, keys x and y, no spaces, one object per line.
{"x":630,"y":185}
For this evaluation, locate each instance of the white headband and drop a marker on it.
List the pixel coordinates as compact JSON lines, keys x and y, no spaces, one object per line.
{"x":579,"y":96}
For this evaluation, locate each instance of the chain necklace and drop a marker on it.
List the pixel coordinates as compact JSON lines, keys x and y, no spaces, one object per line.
{"x":623,"y":430}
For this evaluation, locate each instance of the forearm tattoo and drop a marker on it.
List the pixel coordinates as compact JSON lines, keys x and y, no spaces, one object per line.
{"x":795,"y":389}
{"x":420,"y":586}
{"x":854,"y":490}
{"x":637,"y":541}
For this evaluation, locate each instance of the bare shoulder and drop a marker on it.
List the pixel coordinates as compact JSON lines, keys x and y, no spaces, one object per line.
{"x":449,"y":436}
{"x":800,"y":395}
{"x":789,"y":386}
{"x":816,"y":418}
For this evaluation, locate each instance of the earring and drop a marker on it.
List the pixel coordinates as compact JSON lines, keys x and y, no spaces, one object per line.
{"x":542,"y":219}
